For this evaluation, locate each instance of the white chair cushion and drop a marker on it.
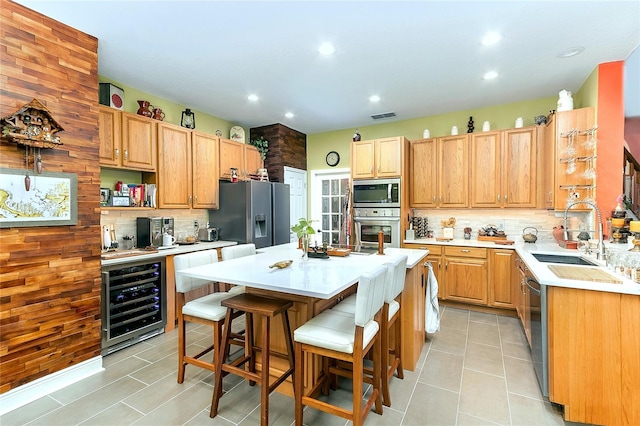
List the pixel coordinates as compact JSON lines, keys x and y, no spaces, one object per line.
{"x":207,"y":307}
{"x":238,"y":289}
{"x":347,"y":305}
{"x":393,"y":308}
{"x":190,"y":260}
{"x":334,"y":331}
{"x":240,"y":250}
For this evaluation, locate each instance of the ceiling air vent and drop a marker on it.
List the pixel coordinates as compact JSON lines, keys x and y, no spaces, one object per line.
{"x":384,"y":116}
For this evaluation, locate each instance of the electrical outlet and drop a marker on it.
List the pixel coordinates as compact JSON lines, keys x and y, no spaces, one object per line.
{"x":195,"y":224}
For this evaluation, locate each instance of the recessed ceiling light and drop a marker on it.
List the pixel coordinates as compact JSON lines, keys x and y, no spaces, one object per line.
{"x":289,"y":115}
{"x":572,"y":51}
{"x":491,"y":38}
{"x":253,"y":98}
{"x":490,"y":75}
{"x":326,"y":49}
{"x":374,"y":98}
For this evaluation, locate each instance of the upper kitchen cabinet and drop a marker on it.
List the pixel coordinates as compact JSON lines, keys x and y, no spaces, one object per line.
{"x":379,"y":158}
{"x":574,"y":157}
{"x":187,"y":168}
{"x":243,"y":157}
{"x":110,"y":132}
{"x":205,"y":172}
{"x":138,"y":142}
{"x":503,"y":168}
{"x":439,"y":169}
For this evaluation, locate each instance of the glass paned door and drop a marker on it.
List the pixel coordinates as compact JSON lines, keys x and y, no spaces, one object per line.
{"x":335,"y":204}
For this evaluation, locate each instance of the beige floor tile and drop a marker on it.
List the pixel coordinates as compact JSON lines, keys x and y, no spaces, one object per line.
{"x":484,"y":358}
{"x":180,"y":409}
{"x":169,"y":347}
{"x":92,"y":403}
{"x":389,"y":417}
{"x":118,"y":413}
{"x":161,"y":391}
{"x":468,"y":420}
{"x":281,"y":411}
{"x":401,"y":390}
{"x":111,"y":359}
{"x":237,"y":403}
{"x":443,"y":370}
{"x":451,"y":341}
{"x":157,"y":370}
{"x":521,"y":378}
{"x":33,"y":410}
{"x":454,"y":319}
{"x":484,"y":333}
{"x":485,"y":396}
{"x":203,"y":419}
{"x":431,"y":406}
{"x":516,"y":350}
{"x":483,"y":317}
{"x":533,"y":411}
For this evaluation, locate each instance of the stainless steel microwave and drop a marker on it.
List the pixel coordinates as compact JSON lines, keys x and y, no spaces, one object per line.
{"x":376,"y":193}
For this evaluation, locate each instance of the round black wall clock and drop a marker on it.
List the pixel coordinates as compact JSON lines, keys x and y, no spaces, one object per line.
{"x":333,"y":158}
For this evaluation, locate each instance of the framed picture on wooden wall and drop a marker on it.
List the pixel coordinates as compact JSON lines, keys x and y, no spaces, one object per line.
{"x":46,"y":199}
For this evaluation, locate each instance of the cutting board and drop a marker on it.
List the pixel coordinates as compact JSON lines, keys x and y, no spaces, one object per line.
{"x":583,"y":273}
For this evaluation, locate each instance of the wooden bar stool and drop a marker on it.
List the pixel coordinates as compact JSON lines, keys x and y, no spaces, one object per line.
{"x":266,"y":308}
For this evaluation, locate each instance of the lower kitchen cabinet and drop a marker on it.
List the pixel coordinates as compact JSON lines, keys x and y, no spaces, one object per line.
{"x":521,"y":294}
{"x":594,"y":367}
{"x":501,"y":290}
{"x":466,"y":274}
{"x":412,"y":304}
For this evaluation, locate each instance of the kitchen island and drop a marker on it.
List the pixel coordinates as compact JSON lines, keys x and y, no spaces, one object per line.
{"x":318,"y":284}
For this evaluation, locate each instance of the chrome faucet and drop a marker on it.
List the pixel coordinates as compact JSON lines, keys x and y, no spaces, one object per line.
{"x":601,"y":251}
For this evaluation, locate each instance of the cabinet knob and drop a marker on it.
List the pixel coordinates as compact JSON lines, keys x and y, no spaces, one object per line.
{"x":465,"y":251}
{"x":505,"y":198}
{"x":126,"y":154}
{"x":434,"y":199}
{"x":196,"y":198}
{"x":117,"y":153}
{"x":498,"y":198}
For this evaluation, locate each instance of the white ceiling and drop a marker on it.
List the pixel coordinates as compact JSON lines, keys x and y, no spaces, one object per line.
{"x":421,"y":57}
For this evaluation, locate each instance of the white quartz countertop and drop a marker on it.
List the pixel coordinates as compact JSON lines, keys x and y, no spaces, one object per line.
{"x":320,"y":278}
{"x":176,"y":249}
{"x":541,"y":270}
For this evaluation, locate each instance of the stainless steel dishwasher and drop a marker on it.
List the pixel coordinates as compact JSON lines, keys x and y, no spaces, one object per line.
{"x":537,"y":299}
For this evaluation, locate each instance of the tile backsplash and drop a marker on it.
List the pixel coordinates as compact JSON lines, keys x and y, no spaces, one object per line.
{"x":125,"y":221}
{"x":512,"y":221}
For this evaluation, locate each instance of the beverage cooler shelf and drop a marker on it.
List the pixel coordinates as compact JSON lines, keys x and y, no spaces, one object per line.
{"x":134,"y":304}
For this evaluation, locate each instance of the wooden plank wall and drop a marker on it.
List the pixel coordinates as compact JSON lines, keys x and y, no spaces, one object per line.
{"x":287,"y":147}
{"x":50,"y":276}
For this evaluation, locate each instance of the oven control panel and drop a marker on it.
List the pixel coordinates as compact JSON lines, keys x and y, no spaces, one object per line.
{"x":376,"y":212}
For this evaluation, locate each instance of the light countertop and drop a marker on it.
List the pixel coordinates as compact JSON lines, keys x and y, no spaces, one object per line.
{"x":541,"y":270}
{"x":320,"y":278}
{"x":176,"y":249}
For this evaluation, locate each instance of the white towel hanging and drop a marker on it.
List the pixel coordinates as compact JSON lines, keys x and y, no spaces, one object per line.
{"x":432,"y":309}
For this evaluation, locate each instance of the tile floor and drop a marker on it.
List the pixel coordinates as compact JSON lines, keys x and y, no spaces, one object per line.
{"x":475,"y":371}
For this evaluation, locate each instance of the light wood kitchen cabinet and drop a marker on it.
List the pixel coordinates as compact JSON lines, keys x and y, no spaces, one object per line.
{"x":139,"y":142}
{"x":501,"y":292}
{"x":110,"y":133}
{"x":245,"y":158}
{"x":466,"y":274}
{"x":439,"y":170}
{"x":594,"y":368}
{"x":127,"y":141}
{"x":412,"y":315}
{"x":379,"y":158}
{"x":503,"y":168}
{"x":187,"y":170}
{"x":575,"y":183}
{"x":549,"y":163}
{"x":521,"y":295}
{"x":204,"y":171}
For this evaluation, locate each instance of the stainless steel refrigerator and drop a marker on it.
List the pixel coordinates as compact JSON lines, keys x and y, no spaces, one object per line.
{"x":253,"y":212}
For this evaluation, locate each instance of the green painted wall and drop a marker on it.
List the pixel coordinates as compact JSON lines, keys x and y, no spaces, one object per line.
{"x":173,"y":112}
{"x":500,"y":117}
{"x":587,"y":95}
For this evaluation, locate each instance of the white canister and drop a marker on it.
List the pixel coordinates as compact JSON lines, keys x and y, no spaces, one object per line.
{"x":519,"y":122}
{"x":565,"y":101}
{"x":486,"y":126}
{"x":426,"y":134}
{"x":454,"y":130}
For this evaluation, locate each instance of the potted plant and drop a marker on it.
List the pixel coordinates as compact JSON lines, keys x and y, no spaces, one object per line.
{"x":262,"y":145}
{"x":303,"y":229}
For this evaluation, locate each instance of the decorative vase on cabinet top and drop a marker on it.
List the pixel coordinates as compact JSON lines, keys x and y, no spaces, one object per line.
{"x":565,"y":101}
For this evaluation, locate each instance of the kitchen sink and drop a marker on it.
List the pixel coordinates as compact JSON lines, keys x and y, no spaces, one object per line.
{"x":559,"y":258}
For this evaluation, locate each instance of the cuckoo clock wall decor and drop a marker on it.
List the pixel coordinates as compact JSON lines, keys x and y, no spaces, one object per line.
{"x":35,"y":128}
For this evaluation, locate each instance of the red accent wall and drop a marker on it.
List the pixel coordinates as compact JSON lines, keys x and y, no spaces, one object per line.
{"x":610,"y":135}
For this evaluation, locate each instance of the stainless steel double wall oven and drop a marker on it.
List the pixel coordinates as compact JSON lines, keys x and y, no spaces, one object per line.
{"x":376,"y":207}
